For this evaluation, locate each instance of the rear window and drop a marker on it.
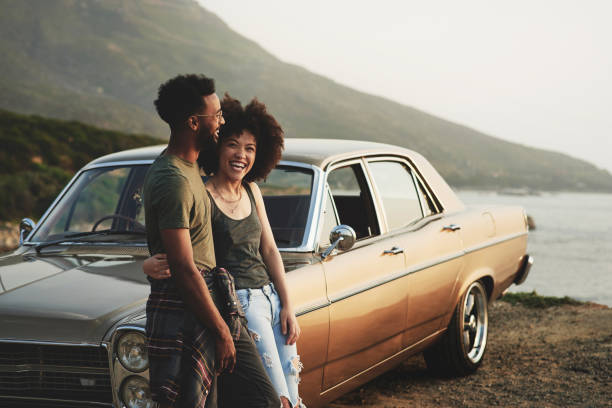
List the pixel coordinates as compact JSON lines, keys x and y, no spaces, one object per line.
{"x":398,"y":193}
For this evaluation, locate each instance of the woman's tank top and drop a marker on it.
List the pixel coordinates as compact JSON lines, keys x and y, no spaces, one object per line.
{"x":237,"y":245}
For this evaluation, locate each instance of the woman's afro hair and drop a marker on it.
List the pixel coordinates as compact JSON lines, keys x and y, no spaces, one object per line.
{"x":254,"y":118}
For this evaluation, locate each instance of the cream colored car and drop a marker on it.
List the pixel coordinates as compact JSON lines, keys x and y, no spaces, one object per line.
{"x":383,"y":261}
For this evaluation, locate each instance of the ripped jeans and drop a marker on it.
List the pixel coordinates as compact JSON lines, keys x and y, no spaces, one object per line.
{"x":262,"y":308}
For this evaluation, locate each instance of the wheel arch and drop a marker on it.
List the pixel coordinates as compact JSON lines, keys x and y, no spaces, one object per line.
{"x":488,"y":283}
{"x":484,"y":274}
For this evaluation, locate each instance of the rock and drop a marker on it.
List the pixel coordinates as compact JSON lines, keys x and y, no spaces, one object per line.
{"x":530,"y":222}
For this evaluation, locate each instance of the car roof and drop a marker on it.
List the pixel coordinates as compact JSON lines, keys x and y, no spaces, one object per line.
{"x":318,"y":152}
{"x":321,"y":153}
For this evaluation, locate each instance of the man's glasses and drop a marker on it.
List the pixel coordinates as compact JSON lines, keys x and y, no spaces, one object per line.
{"x":217,"y":115}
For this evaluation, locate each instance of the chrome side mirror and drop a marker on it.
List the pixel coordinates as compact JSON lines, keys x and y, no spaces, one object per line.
{"x":25,"y":227}
{"x":341,"y":236}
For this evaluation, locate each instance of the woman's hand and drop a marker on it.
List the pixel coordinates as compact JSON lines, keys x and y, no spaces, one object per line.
{"x":157,"y":267}
{"x":289,"y":325}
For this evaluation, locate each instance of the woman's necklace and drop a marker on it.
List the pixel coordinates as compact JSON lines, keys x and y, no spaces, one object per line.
{"x":236,"y":202}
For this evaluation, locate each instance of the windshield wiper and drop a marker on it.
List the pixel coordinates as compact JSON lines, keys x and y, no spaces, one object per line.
{"x":88,"y":234}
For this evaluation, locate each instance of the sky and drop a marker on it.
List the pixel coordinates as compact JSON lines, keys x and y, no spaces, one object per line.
{"x":536,"y":72}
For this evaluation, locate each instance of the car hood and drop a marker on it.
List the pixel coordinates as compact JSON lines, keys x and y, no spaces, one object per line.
{"x":63,"y":297}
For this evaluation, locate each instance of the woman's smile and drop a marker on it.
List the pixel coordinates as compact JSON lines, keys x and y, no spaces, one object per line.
{"x":238,"y":164}
{"x":237,"y":154}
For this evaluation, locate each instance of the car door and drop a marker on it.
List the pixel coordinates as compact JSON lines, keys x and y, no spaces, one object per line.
{"x":430,"y":241}
{"x":367,"y":310}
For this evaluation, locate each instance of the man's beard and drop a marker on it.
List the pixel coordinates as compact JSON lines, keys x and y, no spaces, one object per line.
{"x":205,"y":139}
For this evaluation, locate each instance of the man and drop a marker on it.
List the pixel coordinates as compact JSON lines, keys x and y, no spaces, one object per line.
{"x":187,"y":338}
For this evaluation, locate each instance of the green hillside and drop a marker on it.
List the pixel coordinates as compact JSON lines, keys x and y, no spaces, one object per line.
{"x":101,"y":62}
{"x":40,"y":155}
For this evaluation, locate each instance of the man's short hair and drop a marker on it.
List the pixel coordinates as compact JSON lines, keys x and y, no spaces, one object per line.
{"x":181,"y":97}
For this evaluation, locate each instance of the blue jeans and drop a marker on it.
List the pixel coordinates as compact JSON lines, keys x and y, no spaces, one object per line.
{"x":262,"y":308}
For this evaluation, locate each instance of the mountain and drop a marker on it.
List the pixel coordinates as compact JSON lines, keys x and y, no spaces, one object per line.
{"x":101,"y":61}
{"x":40,"y":155}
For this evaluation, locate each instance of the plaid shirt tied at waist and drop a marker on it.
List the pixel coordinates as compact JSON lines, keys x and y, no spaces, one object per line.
{"x":181,"y":349}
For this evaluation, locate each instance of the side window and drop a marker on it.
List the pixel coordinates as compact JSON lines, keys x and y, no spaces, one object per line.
{"x":398,"y":193}
{"x":353,"y":201}
{"x":428,"y":206}
{"x":287,"y":193}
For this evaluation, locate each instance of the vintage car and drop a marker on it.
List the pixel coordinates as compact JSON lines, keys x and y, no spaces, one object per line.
{"x":383,"y":261}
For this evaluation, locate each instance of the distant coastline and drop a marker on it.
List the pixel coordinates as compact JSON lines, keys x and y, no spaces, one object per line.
{"x":571,"y":243}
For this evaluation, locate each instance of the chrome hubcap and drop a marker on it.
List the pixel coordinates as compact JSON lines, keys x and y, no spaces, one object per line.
{"x":475,"y":322}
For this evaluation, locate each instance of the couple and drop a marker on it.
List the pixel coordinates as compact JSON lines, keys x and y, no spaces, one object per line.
{"x":195,"y":318}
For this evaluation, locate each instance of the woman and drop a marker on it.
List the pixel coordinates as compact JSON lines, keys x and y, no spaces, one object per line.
{"x":249,"y":147}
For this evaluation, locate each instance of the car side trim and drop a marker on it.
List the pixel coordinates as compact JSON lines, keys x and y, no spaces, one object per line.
{"x":312,"y":307}
{"x":494,"y":241}
{"x":419,"y":267}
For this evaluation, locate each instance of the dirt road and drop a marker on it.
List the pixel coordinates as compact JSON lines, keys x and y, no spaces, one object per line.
{"x":555,"y":357}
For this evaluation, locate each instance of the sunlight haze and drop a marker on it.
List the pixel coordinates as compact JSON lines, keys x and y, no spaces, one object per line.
{"x":535,"y":73}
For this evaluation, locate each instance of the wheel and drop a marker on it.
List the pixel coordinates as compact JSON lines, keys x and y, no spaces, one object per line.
{"x":118,"y":216}
{"x":461,"y":349}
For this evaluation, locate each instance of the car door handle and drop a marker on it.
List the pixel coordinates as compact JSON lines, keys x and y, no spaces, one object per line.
{"x":393,"y":251}
{"x":451,"y":227}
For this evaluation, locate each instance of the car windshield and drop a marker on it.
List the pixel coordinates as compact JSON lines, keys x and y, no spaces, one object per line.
{"x":110,"y":199}
{"x":106,"y":198}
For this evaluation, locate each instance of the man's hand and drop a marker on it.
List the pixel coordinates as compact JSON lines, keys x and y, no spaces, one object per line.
{"x":225,"y":352}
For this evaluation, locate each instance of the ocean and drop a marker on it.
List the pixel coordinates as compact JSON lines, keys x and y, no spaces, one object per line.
{"x":571,"y":244}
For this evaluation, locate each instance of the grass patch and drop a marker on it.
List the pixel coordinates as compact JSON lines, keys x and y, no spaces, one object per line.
{"x":535,"y":301}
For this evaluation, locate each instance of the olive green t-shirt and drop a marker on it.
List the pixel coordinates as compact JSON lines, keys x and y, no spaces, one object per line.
{"x":175,"y":197}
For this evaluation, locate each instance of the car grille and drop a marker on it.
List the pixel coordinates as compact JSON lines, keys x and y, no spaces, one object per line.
{"x":76,"y":373}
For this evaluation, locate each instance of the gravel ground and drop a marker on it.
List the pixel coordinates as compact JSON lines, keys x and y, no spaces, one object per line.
{"x":555,"y":357}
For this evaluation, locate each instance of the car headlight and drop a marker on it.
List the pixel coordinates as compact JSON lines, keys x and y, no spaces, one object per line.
{"x":135,"y":393}
{"x":132,"y":352}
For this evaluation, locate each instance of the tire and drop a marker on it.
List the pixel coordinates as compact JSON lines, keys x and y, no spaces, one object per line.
{"x":461,"y":349}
